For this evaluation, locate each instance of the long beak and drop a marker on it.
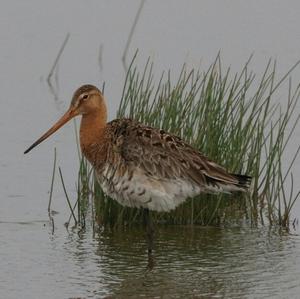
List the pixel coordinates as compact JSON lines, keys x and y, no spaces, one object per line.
{"x":65,"y":118}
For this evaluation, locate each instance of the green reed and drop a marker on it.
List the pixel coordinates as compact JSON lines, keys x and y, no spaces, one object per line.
{"x":235,"y":119}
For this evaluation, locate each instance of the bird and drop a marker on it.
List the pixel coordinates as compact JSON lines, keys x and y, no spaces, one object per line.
{"x":141,"y":166}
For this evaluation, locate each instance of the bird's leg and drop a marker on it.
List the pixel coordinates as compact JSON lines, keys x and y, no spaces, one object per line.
{"x":148,"y":224}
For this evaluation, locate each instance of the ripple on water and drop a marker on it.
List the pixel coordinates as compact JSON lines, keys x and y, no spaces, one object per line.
{"x":200,"y":262}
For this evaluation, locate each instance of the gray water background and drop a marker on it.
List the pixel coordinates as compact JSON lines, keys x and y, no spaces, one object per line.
{"x":231,"y":262}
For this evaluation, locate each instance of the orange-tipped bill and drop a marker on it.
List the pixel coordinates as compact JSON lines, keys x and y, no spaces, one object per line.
{"x":65,"y":118}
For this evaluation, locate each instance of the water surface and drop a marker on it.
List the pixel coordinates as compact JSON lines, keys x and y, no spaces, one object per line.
{"x":232,"y":262}
{"x":198,"y":262}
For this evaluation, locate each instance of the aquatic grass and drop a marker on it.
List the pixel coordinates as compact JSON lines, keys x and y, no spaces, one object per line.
{"x":67,"y":197}
{"x":234,"y":119}
{"x":51,"y":193}
{"x":52,"y":183}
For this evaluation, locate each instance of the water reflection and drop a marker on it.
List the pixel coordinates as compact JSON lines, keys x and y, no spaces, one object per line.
{"x":192,"y":262}
{"x":197,"y":262}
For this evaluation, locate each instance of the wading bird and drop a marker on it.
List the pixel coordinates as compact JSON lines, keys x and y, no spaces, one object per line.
{"x":140,"y":166}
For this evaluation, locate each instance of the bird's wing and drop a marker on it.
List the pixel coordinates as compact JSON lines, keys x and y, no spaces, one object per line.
{"x":163,"y":155}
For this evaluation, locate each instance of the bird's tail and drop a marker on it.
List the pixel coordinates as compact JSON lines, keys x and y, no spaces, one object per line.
{"x":244,"y":181}
{"x":230,"y":182}
{"x":241,"y":183}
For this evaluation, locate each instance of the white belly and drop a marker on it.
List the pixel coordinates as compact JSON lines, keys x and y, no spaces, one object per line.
{"x":147,"y":192}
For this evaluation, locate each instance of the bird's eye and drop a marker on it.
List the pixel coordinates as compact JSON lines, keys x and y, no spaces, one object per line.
{"x":85,"y":96}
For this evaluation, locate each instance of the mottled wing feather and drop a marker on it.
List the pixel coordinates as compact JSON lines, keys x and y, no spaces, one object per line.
{"x":163,"y":155}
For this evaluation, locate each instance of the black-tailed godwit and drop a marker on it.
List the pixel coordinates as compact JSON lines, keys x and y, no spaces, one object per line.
{"x":141,"y":166}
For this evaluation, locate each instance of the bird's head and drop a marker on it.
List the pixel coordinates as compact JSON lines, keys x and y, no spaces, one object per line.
{"x":86,"y":100}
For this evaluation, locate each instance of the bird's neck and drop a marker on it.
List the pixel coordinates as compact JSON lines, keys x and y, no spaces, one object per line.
{"x":92,"y":129}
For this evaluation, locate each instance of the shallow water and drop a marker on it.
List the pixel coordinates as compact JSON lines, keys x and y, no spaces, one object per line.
{"x":199,"y":262}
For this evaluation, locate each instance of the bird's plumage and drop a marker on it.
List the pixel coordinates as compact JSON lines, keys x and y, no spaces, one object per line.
{"x":141,"y":166}
{"x":138,"y":165}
